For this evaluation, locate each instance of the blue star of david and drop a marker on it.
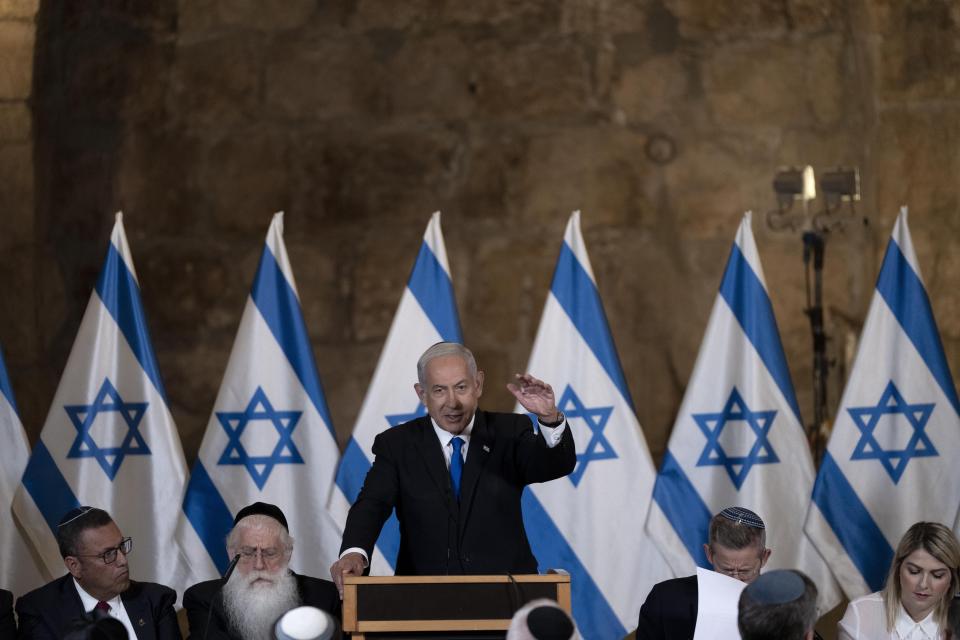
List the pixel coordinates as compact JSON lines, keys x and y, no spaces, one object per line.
{"x":893,"y":460}
{"x":82,"y":416}
{"x":598,"y":447}
{"x":399,"y":418}
{"x":236,"y":422}
{"x":713,"y":424}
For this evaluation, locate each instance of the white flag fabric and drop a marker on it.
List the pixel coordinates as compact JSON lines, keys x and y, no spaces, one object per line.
{"x":269,"y":437}
{"x":591,"y":522}
{"x":738,"y":439}
{"x":427,"y":314}
{"x":892,"y":456}
{"x":19,"y":571}
{"x":109,"y":440}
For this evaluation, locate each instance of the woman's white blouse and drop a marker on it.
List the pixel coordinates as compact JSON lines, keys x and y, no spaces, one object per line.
{"x":866,"y":619}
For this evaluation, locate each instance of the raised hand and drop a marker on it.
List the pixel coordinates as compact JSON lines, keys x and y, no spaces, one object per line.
{"x":536,"y":396}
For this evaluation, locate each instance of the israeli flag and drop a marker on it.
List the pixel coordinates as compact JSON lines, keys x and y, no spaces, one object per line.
{"x":19,"y":571}
{"x":739,"y":439}
{"x":892,"y":457}
{"x":109,"y":440}
{"x":427,"y":314}
{"x":269,"y":437}
{"x":591,"y":522}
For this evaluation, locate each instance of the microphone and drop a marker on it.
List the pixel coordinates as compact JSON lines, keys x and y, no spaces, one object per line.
{"x":213,"y":598}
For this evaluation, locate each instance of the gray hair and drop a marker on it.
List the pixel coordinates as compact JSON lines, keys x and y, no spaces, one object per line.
{"x":735,"y":535}
{"x":760,"y":617}
{"x":441,"y":349}
{"x":259,"y":521}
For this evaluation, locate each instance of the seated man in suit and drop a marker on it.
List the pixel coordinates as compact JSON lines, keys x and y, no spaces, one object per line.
{"x":736,"y":548}
{"x":779,"y":605}
{"x":261,"y":589}
{"x":8,"y":628}
{"x":455,"y":477}
{"x":95,"y":554}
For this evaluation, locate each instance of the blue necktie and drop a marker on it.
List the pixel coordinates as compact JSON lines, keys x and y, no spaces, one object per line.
{"x":456,"y":465}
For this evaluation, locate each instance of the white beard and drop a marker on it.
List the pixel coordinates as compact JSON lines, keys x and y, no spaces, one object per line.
{"x":252,"y":609}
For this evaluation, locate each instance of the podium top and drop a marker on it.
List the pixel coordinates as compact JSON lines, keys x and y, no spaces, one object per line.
{"x":558,"y":578}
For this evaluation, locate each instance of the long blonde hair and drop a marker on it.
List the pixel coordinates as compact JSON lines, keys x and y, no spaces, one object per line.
{"x":939,"y":542}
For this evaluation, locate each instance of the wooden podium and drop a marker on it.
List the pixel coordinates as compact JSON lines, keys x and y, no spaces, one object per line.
{"x":443,"y":606}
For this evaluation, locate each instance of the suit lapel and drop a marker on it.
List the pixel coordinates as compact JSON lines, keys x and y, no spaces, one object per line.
{"x":138,"y":613}
{"x":481,"y":443}
{"x":429,"y":447}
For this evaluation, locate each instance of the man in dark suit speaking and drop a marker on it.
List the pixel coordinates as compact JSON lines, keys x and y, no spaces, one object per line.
{"x":455,"y":477}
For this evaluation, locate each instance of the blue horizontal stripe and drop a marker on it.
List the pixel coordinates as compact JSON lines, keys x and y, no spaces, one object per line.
{"x":906,"y":296}
{"x":593,"y":614}
{"x":280,"y":308}
{"x":350,"y":476}
{"x":575,"y":291}
{"x":749,"y":302}
{"x":46,"y":485}
{"x":120,"y":294}
{"x":209,"y":515}
{"x":5,"y":387}
{"x":683,"y":508}
{"x":432,"y":289}
{"x":853,"y":525}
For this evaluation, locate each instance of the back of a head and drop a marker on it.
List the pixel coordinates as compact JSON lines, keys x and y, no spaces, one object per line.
{"x":305,"y":623}
{"x":97,"y":626}
{"x":542,"y":619}
{"x":778,"y":605}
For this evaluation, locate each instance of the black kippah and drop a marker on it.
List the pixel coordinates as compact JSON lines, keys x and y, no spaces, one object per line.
{"x":549,"y":623}
{"x":73,"y":514}
{"x":262,"y":509}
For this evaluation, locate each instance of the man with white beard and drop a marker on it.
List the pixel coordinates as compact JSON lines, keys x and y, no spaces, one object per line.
{"x":261,"y":589}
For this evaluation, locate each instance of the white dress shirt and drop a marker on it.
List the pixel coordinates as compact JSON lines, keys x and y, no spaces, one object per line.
{"x":866,"y":619}
{"x":116,"y":608}
{"x":551,"y":435}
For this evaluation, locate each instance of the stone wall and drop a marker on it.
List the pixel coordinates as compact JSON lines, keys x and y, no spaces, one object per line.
{"x":662,"y":120}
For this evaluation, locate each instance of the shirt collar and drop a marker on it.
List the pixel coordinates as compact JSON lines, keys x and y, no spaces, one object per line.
{"x":905,"y":625}
{"x":445,"y":436}
{"x":89,"y":602}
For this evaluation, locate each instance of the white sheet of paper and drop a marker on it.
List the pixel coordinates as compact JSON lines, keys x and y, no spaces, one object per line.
{"x":717,"y":597}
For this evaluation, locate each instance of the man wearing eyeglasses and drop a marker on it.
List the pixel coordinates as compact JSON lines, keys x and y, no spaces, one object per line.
{"x":95,"y":554}
{"x":262,"y":588}
{"x":737,"y":547}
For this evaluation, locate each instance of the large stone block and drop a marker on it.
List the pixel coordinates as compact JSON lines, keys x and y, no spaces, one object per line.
{"x":15,"y":124}
{"x":16,"y":59}
{"x":655,"y":88}
{"x":18,"y":9}
{"x":16,"y":196}
{"x":251,"y":14}
{"x":728,"y":19}
{"x":216,"y":82}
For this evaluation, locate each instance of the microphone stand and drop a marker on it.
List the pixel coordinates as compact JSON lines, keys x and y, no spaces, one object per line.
{"x":814,"y":244}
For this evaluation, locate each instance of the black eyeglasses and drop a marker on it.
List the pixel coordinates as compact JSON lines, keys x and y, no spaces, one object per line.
{"x":110,"y":555}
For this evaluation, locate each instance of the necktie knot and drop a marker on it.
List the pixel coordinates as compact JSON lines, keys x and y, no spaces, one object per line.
{"x":456,"y":464}
{"x":103,"y":606}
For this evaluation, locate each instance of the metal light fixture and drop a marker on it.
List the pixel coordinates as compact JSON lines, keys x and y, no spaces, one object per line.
{"x":792,"y":184}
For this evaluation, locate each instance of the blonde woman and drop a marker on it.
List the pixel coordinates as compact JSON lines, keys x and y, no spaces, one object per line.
{"x":914,"y":602}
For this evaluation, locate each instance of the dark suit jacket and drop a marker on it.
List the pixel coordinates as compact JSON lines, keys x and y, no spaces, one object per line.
{"x":483,"y":533}
{"x":670,"y":610}
{"x":197,"y":600}
{"x":8,"y":628}
{"x":48,"y":613}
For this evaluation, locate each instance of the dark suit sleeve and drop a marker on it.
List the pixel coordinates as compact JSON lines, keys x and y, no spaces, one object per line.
{"x":650,"y":625}
{"x":8,"y":628}
{"x":197,"y":601}
{"x":31,"y":621}
{"x":165,"y":615}
{"x":539,"y":463}
{"x":376,"y":500}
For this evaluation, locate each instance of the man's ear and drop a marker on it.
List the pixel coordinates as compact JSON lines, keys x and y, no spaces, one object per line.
{"x":709,"y":552}
{"x":72,"y":564}
{"x":420,"y":393}
{"x":765,"y":557}
{"x":479,"y":383}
